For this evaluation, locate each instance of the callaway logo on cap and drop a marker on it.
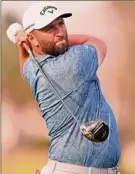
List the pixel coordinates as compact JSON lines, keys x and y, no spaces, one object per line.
{"x":46,"y":9}
{"x":40,"y":15}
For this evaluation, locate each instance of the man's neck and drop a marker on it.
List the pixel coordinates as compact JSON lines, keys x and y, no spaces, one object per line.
{"x":38,"y":53}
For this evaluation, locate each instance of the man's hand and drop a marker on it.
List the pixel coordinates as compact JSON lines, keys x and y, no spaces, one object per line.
{"x":86,"y":39}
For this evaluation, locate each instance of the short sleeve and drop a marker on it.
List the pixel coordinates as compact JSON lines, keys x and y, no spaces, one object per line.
{"x":29,"y":73}
{"x":90,"y":52}
{"x":86,"y":59}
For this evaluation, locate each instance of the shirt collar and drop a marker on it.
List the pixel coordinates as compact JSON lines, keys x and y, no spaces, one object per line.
{"x":41,"y":58}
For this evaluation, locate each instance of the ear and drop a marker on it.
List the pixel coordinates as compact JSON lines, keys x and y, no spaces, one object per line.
{"x":32,"y":39}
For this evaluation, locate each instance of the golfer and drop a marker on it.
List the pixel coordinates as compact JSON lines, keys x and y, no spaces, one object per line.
{"x":71,"y":62}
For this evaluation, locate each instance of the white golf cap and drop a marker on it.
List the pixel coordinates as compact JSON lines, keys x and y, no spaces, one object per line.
{"x":39,"y":15}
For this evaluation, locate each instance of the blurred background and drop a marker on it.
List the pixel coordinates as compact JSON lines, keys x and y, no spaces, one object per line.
{"x":25,"y":140}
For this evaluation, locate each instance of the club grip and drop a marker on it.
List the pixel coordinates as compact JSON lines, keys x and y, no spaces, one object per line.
{"x":27,"y":48}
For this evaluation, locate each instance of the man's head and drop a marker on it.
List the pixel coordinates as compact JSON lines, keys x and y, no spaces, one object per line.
{"x":46,"y":30}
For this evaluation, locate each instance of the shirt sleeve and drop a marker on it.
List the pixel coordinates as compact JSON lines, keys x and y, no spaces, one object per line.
{"x":90,"y":52}
{"x":29,"y":71}
{"x":86,"y":60}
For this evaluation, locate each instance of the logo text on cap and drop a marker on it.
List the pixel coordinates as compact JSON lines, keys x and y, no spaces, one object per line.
{"x":46,"y":8}
{"x":27,"y":28}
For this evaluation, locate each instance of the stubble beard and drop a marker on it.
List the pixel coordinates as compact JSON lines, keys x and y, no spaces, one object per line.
{"x":55,"y":49}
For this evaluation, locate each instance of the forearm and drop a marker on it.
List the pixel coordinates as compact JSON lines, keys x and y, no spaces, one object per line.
{"x":74,"y":39}
{"x":23,"y":56}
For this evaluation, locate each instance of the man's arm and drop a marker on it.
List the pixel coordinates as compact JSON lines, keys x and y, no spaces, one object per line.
{"x":23,"y":54}
{"x":86,"y":39}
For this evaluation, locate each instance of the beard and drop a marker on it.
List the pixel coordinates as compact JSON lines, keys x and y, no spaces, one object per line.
{"x":54,"y":49}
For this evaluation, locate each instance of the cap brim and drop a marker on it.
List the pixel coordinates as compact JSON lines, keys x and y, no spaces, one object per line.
{"x":66,"y":15}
